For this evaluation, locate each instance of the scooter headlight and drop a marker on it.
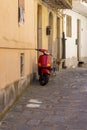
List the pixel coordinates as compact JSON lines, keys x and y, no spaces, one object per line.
{"x":39,"y":64}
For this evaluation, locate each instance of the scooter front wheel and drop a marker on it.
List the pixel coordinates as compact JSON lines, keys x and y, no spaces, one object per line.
{"x":44,"y":79}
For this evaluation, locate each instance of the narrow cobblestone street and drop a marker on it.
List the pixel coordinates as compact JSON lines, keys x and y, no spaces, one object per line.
{"x":60,"y":105}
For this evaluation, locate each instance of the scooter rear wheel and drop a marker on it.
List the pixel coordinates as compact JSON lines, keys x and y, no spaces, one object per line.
{"x":44,"y":79}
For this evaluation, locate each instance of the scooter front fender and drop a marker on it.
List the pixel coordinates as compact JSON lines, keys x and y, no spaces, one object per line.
{"x":45,"y":71}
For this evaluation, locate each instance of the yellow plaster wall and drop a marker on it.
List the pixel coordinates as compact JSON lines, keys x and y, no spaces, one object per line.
{"x":14,"y":36}
{"x":8,"y":67}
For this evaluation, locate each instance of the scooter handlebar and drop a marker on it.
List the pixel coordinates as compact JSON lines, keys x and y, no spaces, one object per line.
{"x":44,"y":51}
{"x":41,"y":50}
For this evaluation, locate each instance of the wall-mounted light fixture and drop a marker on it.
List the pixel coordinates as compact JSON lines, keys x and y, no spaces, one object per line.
{"x":48,"y":30}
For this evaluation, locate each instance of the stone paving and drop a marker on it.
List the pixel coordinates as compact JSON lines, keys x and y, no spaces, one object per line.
{"x":60,"y":105}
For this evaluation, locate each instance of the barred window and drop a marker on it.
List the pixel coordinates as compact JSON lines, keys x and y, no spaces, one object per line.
{"x":68,"y":26}
{"x":21,"y":12}
{"x":22,"y":64}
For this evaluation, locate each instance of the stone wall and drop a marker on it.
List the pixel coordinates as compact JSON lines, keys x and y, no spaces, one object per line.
{"x":11,"y":93}
{"x":71,"y":62}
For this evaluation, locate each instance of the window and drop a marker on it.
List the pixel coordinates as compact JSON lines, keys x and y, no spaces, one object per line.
{"x":68,"y":26}
{"x":22,"y":64}
{"x":21,"y":12}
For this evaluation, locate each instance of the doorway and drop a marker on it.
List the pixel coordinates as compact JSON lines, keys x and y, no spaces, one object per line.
{"x":50,"y":38}
{"x":58,"y":38}
{"x":39,"y":28}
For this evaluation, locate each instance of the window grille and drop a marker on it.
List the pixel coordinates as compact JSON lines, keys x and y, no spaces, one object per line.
{"x":22,"y":64}
{"x":21,"y":12}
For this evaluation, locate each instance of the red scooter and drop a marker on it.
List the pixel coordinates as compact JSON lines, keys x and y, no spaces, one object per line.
{"x":44,"y":66}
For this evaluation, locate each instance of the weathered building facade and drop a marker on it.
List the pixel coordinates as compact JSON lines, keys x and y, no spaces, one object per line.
{"x":75,"y":29}
{"x":24,"y":26}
